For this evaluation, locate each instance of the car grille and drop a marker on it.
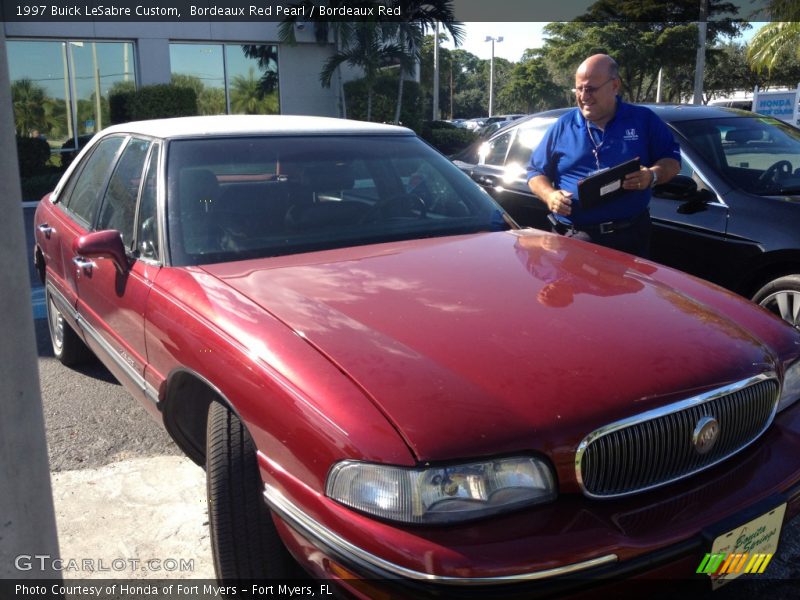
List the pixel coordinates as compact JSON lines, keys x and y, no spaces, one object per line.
{"x":656,"y":447}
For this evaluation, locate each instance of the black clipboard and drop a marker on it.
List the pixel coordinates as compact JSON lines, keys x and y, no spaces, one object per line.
{"x":605,"y":185}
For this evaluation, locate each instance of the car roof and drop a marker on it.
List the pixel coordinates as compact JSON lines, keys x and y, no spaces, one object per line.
{"x":668,"y":112}
{"x":690,"y":112}
{"x":221,"y":125}
{"x":671,"y":113}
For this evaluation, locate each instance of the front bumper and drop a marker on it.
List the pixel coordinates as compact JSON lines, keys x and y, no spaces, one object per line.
{"x":567,"y":546}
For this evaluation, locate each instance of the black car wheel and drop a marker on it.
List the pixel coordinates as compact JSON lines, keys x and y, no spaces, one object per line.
{"x":68,"y":347}
{"x":244,"y":540}
{"x":782,"y":296}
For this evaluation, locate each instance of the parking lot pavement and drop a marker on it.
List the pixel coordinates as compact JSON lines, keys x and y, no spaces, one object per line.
{"x":128,"y":504}
{"x":134,"y":519}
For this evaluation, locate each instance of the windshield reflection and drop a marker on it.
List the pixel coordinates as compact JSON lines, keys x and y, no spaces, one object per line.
{"x":565,"y":273}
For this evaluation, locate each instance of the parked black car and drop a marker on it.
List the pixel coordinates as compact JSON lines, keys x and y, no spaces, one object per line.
{"x":732,"y":216}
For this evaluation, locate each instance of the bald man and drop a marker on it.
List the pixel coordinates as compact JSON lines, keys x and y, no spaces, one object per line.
{"x":603,"y":132}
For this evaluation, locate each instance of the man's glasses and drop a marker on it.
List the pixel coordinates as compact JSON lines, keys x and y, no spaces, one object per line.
{"x":588,"y":90}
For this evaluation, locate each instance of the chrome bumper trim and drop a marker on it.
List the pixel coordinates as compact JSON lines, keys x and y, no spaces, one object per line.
{"x":317,"y":532}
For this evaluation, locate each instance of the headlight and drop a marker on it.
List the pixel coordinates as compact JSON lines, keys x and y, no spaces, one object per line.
{"x":442,"y":494}
{"x":790,"y":392}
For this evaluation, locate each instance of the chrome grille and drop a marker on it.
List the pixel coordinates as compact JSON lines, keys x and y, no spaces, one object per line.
{"x":656,"y":448}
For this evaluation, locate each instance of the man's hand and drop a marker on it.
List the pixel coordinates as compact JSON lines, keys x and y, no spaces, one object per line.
{"x":638,"y":180}
{"x":560,"y":202}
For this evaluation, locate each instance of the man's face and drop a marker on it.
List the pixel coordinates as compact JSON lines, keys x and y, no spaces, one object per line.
{"x":595,"y":94}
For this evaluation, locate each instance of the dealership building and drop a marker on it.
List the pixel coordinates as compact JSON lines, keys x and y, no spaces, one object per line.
{"x":62,"y":73}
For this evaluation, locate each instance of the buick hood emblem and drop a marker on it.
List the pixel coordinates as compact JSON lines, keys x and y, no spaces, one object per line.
{"x":705,"y":434}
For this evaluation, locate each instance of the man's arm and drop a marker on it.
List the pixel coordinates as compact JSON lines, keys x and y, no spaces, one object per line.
{"x":557,"y":201}
{"x":662,"y":171}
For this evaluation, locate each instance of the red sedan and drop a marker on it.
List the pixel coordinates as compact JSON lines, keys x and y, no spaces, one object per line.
{"x":387,"y":379}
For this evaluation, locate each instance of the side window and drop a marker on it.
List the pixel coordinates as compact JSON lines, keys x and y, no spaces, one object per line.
{"x":496,"y":154}
{"x":119,"y":203}
{"x":84,"y":198}
{"x":526,"y":140}
{"x":148,"y":220}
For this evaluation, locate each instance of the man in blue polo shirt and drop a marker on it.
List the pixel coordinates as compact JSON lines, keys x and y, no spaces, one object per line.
{"x":602,"y":132}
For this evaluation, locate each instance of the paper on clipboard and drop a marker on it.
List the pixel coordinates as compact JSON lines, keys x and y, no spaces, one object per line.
{"x":605,"y":185}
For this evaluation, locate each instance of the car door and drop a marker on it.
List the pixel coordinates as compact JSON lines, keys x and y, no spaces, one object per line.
{"x":111,"y":301}
{"x":690,"y":233}
{"x":72,"y":216}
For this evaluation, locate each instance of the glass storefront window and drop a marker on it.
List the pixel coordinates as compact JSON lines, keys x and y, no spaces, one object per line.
{"x":229,"y":78}
{"x":202,"y":68}
{"x":99,"y":68}
{"x":60,"y":92}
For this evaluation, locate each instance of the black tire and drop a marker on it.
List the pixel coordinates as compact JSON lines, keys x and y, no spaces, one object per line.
{"x":782,"y":297}
{"x":244,"y":540}
{"x":68,"y":347}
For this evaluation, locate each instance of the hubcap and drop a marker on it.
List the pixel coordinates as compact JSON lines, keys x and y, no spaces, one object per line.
{"x":785,"y":304}
{"x":56,"y":323}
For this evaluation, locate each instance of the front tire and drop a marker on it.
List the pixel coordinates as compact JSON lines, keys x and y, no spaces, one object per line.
{"x":782,"y":297}
{"x":244,"y":541}
{"x":68,"y":347}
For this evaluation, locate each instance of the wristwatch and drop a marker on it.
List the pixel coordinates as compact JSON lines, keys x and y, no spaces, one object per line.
{"x":655,"y":177}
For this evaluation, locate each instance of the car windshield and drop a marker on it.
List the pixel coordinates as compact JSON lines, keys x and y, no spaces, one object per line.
{"x":759,"y":155}
{"x":246,"y":197}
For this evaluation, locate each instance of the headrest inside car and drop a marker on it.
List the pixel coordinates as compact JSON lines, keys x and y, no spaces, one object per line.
{"x":742,"y":136}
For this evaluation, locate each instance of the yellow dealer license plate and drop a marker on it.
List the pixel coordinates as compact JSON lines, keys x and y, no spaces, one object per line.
{"x":746,"y":549}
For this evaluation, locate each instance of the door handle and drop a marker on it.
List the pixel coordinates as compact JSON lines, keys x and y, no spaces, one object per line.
{"x":46,"y":230}
{"x":83,"y":264}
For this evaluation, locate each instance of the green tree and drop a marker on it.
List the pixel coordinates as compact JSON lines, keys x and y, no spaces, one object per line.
{"x":29,"y":112}
{"x":248,"y":97}
{"x":530,"y":88}
{"x":341,"y":31}
{"x":210,"y":101}
{"x":368,"y":51}
{"x":267,"y":57}
{"x":643,"y":36}
{"x":418,"y":17}
{"x":773,"y":43}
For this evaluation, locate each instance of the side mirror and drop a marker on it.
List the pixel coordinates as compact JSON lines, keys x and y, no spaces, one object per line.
{"x":103,"y":244}
{"x":680,"y":187}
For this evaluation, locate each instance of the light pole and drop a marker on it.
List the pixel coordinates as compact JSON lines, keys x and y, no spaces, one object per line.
{"x":489,"y":38}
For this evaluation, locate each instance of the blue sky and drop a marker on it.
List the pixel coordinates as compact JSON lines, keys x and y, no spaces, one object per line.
{"x":517,"y":37}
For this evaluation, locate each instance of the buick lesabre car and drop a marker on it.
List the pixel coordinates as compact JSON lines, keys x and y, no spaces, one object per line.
{"x":387,"y":379}
{"x":732,"y":216}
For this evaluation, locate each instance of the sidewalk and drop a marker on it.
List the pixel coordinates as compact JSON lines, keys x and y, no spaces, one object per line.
{"x":134,"y":519}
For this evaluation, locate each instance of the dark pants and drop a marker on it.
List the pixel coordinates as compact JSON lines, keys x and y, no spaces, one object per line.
{"x":631,"y":236}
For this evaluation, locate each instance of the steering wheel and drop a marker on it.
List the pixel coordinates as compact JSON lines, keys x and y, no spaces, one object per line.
{"x":774,"y":173}
{"x":401,"y":206}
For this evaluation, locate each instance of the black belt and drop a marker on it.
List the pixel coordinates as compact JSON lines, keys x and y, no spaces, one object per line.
{"x":609,"y":226}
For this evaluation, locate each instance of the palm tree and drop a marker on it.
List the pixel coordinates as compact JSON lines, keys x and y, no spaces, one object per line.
{"x":248,"y":97}
{"x":28,"y":99}
{"x":267,"y":57}
{"x":774,"y":39}
{"x":418,"y":17}
{"x":771,"y":42}
{"x":323,"y":29}
{"x":368,"y":51}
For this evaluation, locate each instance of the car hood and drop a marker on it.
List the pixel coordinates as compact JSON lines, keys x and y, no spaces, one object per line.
{"x":501,"y":342}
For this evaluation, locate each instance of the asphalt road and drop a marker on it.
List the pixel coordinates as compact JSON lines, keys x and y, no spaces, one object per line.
{"x":90,"y":419}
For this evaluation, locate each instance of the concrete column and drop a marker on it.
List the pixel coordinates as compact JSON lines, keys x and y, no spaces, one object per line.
{"x":27,"y":519}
